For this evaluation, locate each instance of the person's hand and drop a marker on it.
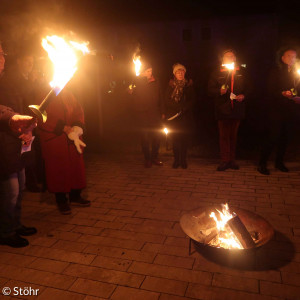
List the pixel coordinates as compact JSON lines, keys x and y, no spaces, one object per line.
{"x":26,"y":138}
{"x":240,"y":98}
{"x":287,"y":94}
{"x":223,"y":91}
{"x":22,"y":124}
{"x":67,"y":129}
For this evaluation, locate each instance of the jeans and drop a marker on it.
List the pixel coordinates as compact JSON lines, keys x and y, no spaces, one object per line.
{"x":11,"y":191}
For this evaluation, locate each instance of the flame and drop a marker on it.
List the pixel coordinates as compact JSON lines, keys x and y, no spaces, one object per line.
{"x":137,"y":64}
{"x":64,"y":58}
{"x":166,"y":131}
{"x":229,"y":66}
{"x":298,"y":71}
{"x":226,"y":238}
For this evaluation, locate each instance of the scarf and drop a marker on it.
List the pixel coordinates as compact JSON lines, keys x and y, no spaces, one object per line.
{"x":178,"y":89}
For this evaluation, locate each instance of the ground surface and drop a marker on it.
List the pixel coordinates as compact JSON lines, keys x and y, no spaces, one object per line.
{"x":129,"y":244}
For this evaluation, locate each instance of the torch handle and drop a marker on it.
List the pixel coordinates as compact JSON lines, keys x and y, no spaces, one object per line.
{"x":46,"y":101}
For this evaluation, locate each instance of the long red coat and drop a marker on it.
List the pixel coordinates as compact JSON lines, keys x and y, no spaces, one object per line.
{"x":64,"y":165}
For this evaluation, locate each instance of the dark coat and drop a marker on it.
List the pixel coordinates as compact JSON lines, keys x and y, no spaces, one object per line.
{"x":147,"y":100}
{"x":223,"y":105}
{"x":279,"y":80}
{"x":11,"y":145}
{"x":185,"y":106}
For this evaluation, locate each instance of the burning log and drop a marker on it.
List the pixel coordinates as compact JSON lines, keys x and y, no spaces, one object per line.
{"x":241,"y":232}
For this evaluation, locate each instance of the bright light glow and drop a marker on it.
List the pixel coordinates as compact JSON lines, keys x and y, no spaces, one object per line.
{"x":298,"y":71}
{"x":137,"y":65}
{"x":226,"y":238}
{"x":166,"y":131}
{"x":229,"y":66}
{"x":64,"y":58}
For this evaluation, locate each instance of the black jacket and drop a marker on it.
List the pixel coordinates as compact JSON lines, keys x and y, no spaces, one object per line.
{"x":279,"y":80}
{"x":148,"y":102}
{"x":185,"y":105}
{"x":223,"y":105}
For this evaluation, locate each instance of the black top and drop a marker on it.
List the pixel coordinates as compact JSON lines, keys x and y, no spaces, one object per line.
{"x":224,"y":107}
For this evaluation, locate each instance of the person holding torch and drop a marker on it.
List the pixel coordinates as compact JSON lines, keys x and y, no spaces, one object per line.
{"x":229,"y":87}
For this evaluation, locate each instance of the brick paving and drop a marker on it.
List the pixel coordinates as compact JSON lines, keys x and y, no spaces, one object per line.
{"x":129,"y":244}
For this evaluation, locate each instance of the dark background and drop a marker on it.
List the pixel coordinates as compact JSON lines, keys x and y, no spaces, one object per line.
{"x":190,"y":32}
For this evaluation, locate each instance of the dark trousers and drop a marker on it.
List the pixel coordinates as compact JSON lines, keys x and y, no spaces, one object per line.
{"x":228,"y":130}
{"x":278,"y":135}
{"x":180,"y":146}
{"x":11,"y":191}
{"x":150,"y":141}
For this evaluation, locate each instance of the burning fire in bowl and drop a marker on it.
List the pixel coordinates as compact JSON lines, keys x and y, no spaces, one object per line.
{"x":226,"y":228}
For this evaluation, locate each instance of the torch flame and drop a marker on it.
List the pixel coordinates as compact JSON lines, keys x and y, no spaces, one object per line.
{"x":166,"y":131}
{"x":229,"y":66}
{"x":137,"y":65}
{"x":226,"y":238}
{"x":298,"y":71}
{"x":64,"y":58}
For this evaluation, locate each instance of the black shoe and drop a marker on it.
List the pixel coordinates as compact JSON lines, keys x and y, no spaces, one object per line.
{"x":233,"y":165}
{"x":80,"y":202}
{"x":223,"y":166}
{"x":64,"y":208}
{"x":281,"y":167}
{"x":262,"y":169}
{"x":14,"y":241}
{"x":176,"y":164}
{"x":26,"y":231}
{"x":184,"y":165}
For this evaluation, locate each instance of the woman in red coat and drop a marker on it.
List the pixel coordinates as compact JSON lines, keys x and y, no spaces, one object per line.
{"x":62,"y":150}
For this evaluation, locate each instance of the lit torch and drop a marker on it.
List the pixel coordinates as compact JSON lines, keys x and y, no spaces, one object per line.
{"x":64,"y":58}
{"x":137,"y":64}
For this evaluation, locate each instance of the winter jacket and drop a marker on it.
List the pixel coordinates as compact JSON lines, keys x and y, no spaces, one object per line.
{"x":225,"y":108}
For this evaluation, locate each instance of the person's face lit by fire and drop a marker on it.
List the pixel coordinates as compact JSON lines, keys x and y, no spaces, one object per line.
{"x":180,"y":74}
{"x":147,"y":73}
{"x":25,"y":64}
{"x":289,"y":57}
{"x":228,"y":58}
{"x":2,"y":60}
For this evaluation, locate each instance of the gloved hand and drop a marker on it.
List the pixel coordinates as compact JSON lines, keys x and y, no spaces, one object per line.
{"x":74,"y":136}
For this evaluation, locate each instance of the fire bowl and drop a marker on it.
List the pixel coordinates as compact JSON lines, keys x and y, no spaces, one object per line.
{"x":196,"y":225}
{"x":196,"y":222}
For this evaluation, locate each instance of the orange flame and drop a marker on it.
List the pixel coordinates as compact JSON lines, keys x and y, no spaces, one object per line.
{"x":229,"y":66}
{"x":137,"y":64}
{"x":226,"y":238}
{"x":64,"y":58}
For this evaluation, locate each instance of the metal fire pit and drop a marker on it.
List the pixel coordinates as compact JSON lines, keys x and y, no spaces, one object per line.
{"x":196,"y":222}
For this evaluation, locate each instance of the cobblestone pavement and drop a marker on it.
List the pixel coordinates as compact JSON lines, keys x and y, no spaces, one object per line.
{"x":129,"y":244}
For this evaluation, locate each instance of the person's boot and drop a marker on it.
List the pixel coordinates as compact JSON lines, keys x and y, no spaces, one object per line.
{"x":262,"y":169}
{"x":26,"y":231}
{"x":281,"y":166}
{"x":76,"y":199}
{"x":62,"y":203}
{"x":224,"y":165}
{"x":233,"y":165}
{"x":14,"y":241}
